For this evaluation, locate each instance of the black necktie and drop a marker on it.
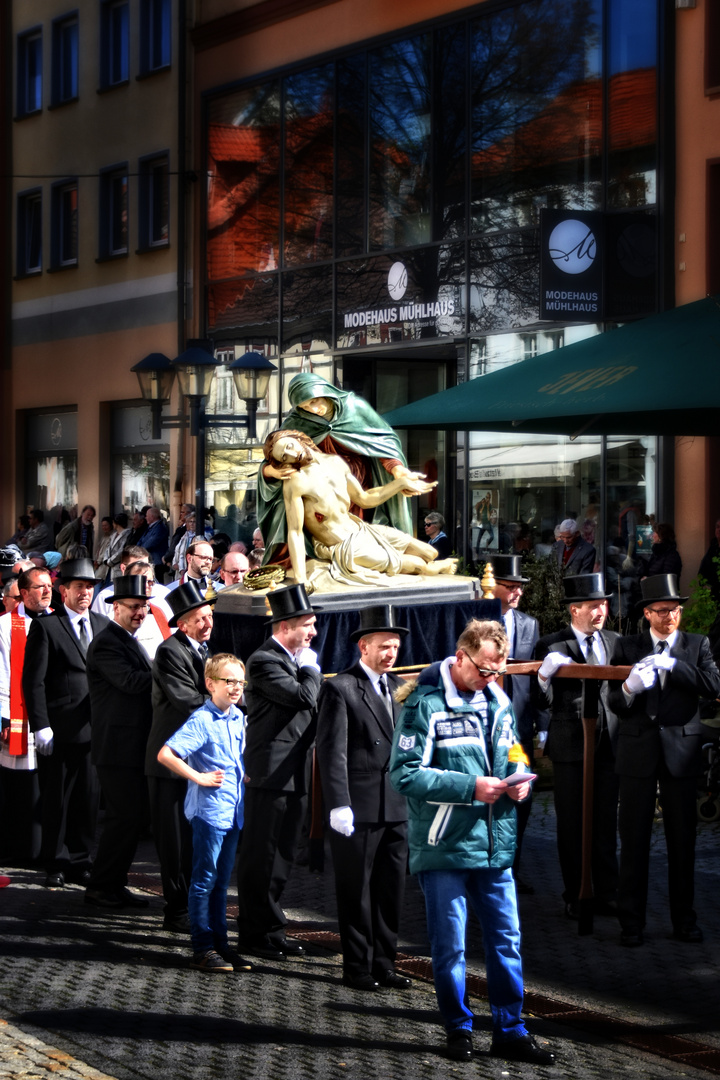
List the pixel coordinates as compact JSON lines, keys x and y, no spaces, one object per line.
{"x":385,"y":695}
{"x":203,"y":651}
{"x":83,"y":635}
{"x":653,"y":695}
{"x":589,"y":651}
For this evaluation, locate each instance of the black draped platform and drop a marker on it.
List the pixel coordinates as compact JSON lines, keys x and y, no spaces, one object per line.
{"x":434,"y":629}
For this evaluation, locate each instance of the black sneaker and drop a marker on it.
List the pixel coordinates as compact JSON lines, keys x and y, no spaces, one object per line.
{"x":239,"y":963}
{"x":210,"y":962}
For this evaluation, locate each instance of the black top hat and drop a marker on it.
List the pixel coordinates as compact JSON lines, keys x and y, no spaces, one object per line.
{"x":132,"y":587}
{"x":584,"y":587}
{"x":289,"y":603}
{"x":76,"y":570}
{"x":660,"y":587}
{"x":507,"y":568}
{"x":377,"y":619}
{"x":185,"y":598}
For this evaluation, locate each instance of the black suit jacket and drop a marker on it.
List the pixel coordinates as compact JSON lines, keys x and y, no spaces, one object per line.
{"x":120,"y":680}
{"x":280,"y":699}
{"x":54,"y":680}
{"x":354,"y":740}
{"x":178,"y":688}
{"x":675,"y":734}
{"x":519,"y":687}
{"x":563,"y":697}
{"x":582,"y":558}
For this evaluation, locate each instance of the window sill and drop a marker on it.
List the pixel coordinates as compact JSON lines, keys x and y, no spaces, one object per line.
{"x":62,"y":266}
{"x":107,"y":89}
{"x":112,"y":258}
{"x":148,"y":250}
{"x":27,"y":115}
{"x":25,"y":274}
{"x":152,"y":71}
{"x":61,"y":104}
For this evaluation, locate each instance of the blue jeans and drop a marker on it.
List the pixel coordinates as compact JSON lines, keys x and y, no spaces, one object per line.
{"x":213,"y":860}
{"x":492,"y":896}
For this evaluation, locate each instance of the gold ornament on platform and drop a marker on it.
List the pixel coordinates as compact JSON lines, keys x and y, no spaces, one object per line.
{"x":487,"y":584}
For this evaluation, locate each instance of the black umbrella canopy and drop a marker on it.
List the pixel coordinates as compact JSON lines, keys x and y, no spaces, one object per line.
{"x":657,"y":376}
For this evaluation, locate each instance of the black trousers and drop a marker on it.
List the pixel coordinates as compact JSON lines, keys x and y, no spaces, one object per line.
{"x":70,"y":796}
{"x":568,"y":789}
{"x":271,"y":830}
{"x":370,"y":868}
{"x":637,"y":809}
{"x":127,"y":813}
{"x":173,"y":840}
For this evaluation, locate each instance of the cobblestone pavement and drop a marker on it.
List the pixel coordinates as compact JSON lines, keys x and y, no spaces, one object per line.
{"x":94,"y":995}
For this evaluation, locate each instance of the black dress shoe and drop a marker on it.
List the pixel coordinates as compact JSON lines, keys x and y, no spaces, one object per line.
{"x":131,"y":899}
{"x":102,"y":899}
{"x":691,"y":934}
{"x":55,"y":881}
{"x":523,"y":1049}
{"x":360,"y":982}
{"x":631,"y":939}
{"x":78,"y":877}
{"x":288,"y":946}
{"x":263,"y":949}
{"x":391,"y":980}
{"x":459,"y":1045}
{"x":178,"y":923}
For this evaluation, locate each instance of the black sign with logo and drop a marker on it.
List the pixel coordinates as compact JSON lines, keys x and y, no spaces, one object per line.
{"x":571,"y":265}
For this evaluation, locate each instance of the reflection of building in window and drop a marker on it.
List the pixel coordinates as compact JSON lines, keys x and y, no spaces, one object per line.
{"x":154,"y":202}
{"x":64,"y":224}
{"x":113,"y":212}
{"x":529,"y":345}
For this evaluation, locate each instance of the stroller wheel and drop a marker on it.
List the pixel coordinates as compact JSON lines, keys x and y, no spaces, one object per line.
{"x":708,"y":808}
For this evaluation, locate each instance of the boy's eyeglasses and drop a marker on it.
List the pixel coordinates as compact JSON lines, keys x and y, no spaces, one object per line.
{"x":230,"y":683}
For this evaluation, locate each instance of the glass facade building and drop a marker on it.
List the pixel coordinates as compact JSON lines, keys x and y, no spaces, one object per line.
{"x":375,"y":215}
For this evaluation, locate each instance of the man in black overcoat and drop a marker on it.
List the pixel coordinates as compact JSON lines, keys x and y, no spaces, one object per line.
{"x":178,"y":688}
{"x":584,"y":641}
{"x":368,"y":818}
{"x":56,"y":693}
{"x":283,"y":683}
{"x":120,"y":680}
{"x":660,"y":742}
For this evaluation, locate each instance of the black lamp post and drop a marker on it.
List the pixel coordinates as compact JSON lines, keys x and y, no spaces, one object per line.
{"x":155,"y":375}
{"x":251,"y":374}
{"x":195,"y":371}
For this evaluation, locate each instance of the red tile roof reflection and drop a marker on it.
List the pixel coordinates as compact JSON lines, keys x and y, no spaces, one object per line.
{"x":571,"y":125}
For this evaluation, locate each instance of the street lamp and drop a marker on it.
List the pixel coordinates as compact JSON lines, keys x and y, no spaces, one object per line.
{"x":195,"y":371}
{"x":155,"y":375}
{"x":251,"y":375}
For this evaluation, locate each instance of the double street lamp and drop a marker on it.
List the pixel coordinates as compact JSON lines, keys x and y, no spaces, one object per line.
{"x":195,"y":369}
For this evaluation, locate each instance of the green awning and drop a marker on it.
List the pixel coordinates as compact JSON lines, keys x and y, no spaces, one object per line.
{"x":657,"y":376}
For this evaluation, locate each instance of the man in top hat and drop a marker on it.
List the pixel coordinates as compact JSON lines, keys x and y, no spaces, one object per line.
{"x":178,"y":688}
{"x":582,"y":642}
{"x":283,"y":683}
{"x":368,"y":818}
{"x":523,"y":633}
{"x":56,"y":693}
{"x":120,"y":681}
{"x":660,"y":742}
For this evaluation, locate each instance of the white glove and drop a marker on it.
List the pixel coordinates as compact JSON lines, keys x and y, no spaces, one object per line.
{"x":663,"y":662}
{"x":341,"y":820}
{"x":551,"y":663}
{"x":628,"y":564}
{"x":307,"y":658}
{"x":44,"y":741}
{"x":541,"y":739}
{"x":641,"y":677}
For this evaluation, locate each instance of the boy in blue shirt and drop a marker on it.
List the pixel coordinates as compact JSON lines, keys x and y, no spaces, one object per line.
{"x":207,"y":750}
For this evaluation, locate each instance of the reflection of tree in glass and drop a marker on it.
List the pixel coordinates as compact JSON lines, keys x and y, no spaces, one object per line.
{"x":308,"y":165}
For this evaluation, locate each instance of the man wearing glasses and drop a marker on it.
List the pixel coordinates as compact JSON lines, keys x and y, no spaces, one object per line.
{"x":454,"y":750}
{"x":199,"y":565}
{"x":660,"y":742}
{"x":233,"y":568}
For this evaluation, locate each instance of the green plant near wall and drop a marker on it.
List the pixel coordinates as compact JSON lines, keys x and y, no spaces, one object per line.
{"x":701,"y":610}
{"x":544,"y":596}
